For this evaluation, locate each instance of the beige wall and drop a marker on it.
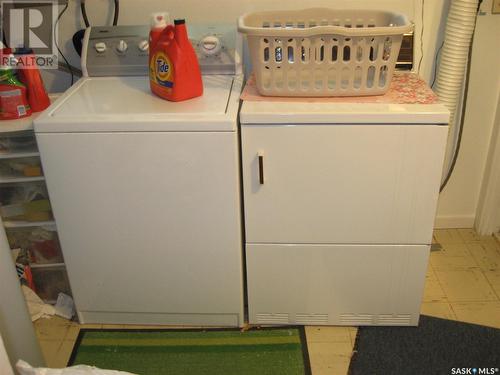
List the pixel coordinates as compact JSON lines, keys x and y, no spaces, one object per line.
{"x":488,"y":212}
{"x":457,"y":204}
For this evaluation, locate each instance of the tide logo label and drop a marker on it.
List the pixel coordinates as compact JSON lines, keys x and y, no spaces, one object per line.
{"x":161,"y":69}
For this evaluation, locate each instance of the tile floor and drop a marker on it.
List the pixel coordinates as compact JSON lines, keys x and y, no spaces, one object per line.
{"x":462,"y":283}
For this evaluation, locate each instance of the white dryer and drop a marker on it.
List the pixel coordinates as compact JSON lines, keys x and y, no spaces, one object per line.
{"x":145,"y":192}
{"x":340,"y":197}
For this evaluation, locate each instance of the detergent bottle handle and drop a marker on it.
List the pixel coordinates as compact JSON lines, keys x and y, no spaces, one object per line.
{"x":169,"y":33}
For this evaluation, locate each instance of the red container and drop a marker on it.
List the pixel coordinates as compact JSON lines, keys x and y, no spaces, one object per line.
{"x":13,"y":102}
{"x":174,"y":72}
{"x":13,"y":95}
{"x":30,"y":75}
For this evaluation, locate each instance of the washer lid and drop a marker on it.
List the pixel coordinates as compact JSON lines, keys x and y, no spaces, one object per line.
{"x":103,"y":104}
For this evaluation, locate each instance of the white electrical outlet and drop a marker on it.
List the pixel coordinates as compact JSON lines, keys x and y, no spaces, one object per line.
{"x":495,"y":8}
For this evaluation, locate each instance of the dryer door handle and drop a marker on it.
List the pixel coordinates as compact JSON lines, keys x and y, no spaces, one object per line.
{"x":261,"y":167}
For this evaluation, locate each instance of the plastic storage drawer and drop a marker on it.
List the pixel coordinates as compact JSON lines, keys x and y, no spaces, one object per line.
{"x":42,"y":243}
{"x":50,"y":281}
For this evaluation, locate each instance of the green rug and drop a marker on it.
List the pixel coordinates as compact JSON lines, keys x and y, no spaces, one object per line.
{"x":272,"y":351}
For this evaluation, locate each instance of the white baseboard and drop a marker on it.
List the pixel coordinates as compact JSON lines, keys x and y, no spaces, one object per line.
{"x":458,"y":221}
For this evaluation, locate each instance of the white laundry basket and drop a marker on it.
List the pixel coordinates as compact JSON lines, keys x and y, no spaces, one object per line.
{"x":324,"y":52}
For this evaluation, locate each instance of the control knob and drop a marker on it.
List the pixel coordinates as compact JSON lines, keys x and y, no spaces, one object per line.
{"x":122,"y":46}
{"x":143,"y":45}
{"x":100,"y":47}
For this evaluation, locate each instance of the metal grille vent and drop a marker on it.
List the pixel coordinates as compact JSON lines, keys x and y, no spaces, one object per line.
{"x":394,"y":319}
{"x":370,"y":319}
{"x":356,"y":319}
{"x":301,"y":318}
{"x":273,"y":318}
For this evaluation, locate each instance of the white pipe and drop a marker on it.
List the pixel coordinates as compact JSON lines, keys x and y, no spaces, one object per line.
{"x":450,"y":75}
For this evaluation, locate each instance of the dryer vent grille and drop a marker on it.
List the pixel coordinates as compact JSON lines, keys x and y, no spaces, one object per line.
{"x":356,"y":319}
{"x":371,"y":319}
{"x":394,"y":319}
{"x":301,"y":318}
{"x":273,"y":318}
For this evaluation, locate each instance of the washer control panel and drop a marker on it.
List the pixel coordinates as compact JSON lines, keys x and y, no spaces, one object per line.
{"x":124,"y":50}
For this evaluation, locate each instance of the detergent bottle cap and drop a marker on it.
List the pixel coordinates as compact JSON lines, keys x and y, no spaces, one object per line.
{"x":160,"y":20}
{"x":179,"y":22}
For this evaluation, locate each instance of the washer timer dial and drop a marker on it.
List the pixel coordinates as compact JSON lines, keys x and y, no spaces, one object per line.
{"x":210,"y":45}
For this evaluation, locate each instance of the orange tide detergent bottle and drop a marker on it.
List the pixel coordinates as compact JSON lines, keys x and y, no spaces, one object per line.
{"x":174,"y":72}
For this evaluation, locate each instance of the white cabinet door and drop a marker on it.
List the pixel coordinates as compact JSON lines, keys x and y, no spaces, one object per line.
{"x":149,"y":224}
{"x":341,"y":183}
{"x":335,"y":284}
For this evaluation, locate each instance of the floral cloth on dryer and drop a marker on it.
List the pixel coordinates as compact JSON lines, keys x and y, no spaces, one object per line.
{"x":406,"y":88}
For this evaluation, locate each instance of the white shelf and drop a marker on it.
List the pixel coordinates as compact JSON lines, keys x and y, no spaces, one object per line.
{"x":19,"y":154}
{"x":10,"y":180}
{"x":27,"y":224}
{"x":47,"y":265}
{"x":25,"y":123}
{"x":19,"y":125}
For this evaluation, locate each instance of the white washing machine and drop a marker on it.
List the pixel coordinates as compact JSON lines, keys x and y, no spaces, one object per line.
{"x":146,"y":192}
{"x":339,"y":199}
